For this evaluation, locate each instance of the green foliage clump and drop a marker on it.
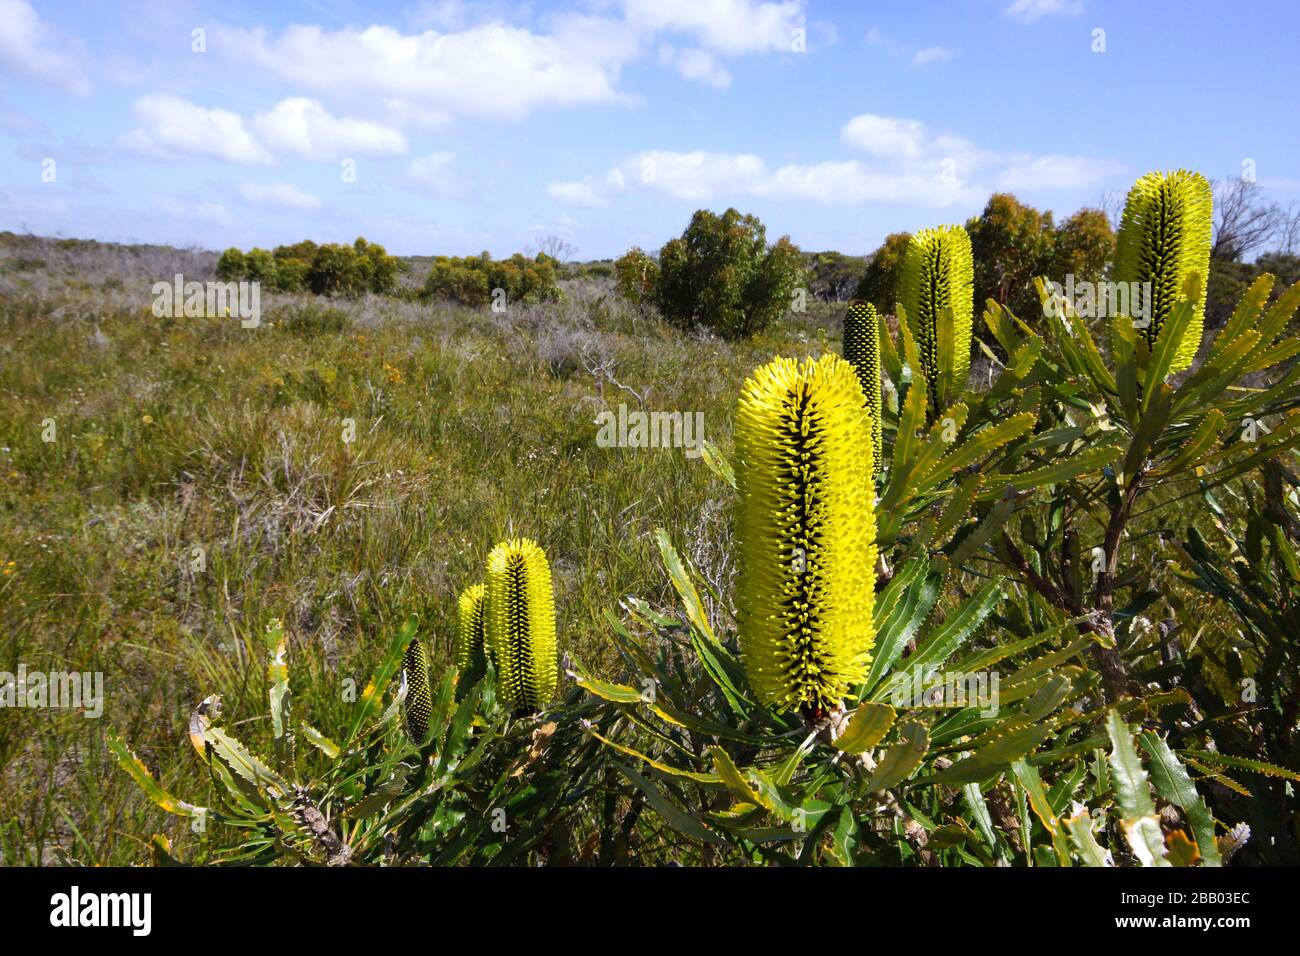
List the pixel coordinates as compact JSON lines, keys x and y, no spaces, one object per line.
{"x":329,"y":269}
{"x":833,"y":276}
{"x":1083,"y":245}
{"x":352,"y":270}
{"x":1013,"y":243}
{"x":879,"y":283}
{"x":1229,"y":281}
{"x":260,"y":266}
{"x":722,"y":276}
{"x":231,"y":266}
{"x":473,"y":280}
{"x":636,"y":275}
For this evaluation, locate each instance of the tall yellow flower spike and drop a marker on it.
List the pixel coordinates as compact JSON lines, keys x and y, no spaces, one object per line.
{"x":419,"y":700}
{"x":862,"y":331}
{"x":938,"y":272}
{"x":521,"y":622}
{"x":1163,"y":237}
{"x":806,"y":532}
{"x":470,"y":645}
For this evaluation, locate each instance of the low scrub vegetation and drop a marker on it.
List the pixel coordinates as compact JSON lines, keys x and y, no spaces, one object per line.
{"x":908,"y":602}
{"x":329,"y":269}
{"x":481,"y":280}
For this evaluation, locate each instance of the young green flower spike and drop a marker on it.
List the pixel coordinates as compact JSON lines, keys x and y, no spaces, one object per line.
{"x":521,"y":622}
{"x":1163,"y":236}
{"x":937,"y":273}
{"x":862,"y":349}
{"x":419,"y":700}
{"x":806,"y":532}
{"x":469,"y":637}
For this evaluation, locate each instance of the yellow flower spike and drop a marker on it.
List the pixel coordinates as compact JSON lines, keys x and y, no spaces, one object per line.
{"x":806,"y":532}
{"x":938,"y":272}
{"x":1164,"y":235}
{"x":521,"y":623}
{"x":469,"y":636}
{"x":419,"y":698}
{"x":862,"y":350}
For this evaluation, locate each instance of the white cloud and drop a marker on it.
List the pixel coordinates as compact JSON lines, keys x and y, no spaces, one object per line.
{"x":487,"y":70}
{"x":279,"y":194}
{"x":885,"y":136}
{"x":30,"y":48}
{"x":917,"y":56}
{"x":206,"y":211}
{"x":696,"y":65}
{"x":590,"y":192}
{"x":1056,"y":172}
{"x":907,"y":164}
{"x":582,"y":193}
{"x":1027,"y":11}
{"x":701,"y":176}
{"x":302,"y":126}
{"x":724,"y":26}
{"x":436,"y":175}
{"x":931,"y":54}
{"x":171,"y":127}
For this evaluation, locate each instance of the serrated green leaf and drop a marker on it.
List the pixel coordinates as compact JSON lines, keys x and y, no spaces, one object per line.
{"x":867,"y":727}
{"x":1173,"y":783}
{"x":901,"y":759}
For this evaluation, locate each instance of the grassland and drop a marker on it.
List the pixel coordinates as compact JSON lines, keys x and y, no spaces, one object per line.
{"x":172,"y":435}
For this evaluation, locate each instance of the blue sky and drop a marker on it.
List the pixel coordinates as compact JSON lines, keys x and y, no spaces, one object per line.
{"x":436,"y":126}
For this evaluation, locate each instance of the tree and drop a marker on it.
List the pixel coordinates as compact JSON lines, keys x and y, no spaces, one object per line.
{"x":304,"y":251}
{"x":721,"y":275}
{"x":1243,"y":221}
{"x":1012,"y":243}
{"x":1229,"y":281}
{"x":231,"y":266}
{"x":381,"y":269}
{"x":472,"y":280}
{"x":636,"y":275}
{"x":1289,"y":232}
{"x":1082,"y":246}
{"x":561,"y":250}
{"x":260,"y":266}
{"x":879,"y":283}
{"x":333,"y":270}
{"x":833,"y":276}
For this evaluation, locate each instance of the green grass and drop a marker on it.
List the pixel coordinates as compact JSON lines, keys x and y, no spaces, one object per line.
{"x":177,"y":434}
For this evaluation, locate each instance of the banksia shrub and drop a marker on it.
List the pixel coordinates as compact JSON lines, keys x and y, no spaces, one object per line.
{"x":521,"y":622}
{"x":862,"y":349}
{"x":806,"y":532}
{"x":938,"y":272}
{"x":470,"y":641}
{"x":1163,"y":237}
{"x":419,"y":700}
